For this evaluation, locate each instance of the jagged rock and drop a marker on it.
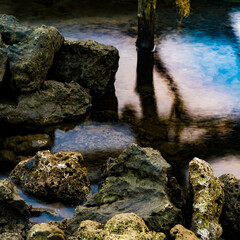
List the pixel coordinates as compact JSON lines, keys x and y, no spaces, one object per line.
{"x":14,"y":212}
{"x":137,"y":182}
{"x":91,"y":64}
{"x":208,"y":200}
{"x":30,"y":52}
{"x":54,"y":177}
{"x":44,"y":231}
{"x":179,"y":232}
{"x":27,"y":144}
{"x":122,"y":226}
{"x":55,"y":103}
{"x":10,"y":236}
{"x":230,"y":218}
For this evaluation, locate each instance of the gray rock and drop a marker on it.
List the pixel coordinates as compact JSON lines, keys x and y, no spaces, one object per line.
{"x":208,"y":200}
{"x":30,"y":52}
{"x":91,"y":64}
{"x":137,"y":182}
{"x":54,"y":177}
{"x":230,"y":218}
{"x":55,"y":103}
{"x":14,"y":212}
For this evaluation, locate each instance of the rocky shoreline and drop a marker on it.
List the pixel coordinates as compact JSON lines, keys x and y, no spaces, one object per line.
{"x":46,"y":79}
{"x":134,"y":202}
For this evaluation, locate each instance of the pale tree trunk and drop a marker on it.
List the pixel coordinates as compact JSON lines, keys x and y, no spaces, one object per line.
{"x":146,"y":23}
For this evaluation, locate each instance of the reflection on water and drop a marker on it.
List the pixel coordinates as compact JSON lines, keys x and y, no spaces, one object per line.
{"x":186,"y":106}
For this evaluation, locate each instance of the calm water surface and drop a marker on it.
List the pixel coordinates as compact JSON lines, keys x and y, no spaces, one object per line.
{"x":190,"y":108}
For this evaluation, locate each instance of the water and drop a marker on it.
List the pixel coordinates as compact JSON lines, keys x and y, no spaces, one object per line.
{"x":190,"y":109}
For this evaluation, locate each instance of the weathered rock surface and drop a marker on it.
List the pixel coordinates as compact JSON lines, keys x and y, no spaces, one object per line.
{"x":27,"y":144}
{"x":54,"y":103}
{"x":44,"y":231}
{"x":122,"y":226}
{"x":230,"y":218}
{"x":10,"y":236}
{"x":179,"y":232}
{"x":54,"y":177}
{"x":30,"y":52}
{"x":91,"y":64}
{"x":208,"y":200}
{"x":137,"y":182}
{"x":14,"y":212}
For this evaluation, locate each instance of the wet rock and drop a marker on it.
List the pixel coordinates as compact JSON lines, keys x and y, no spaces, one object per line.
{"x":3,"y":66}
{"x":30,"y":52}
{"x":91,"y":64}
{"x":208,"y":200}
{"x":55,"y":103}
{"x":179,"y":232}
{"x":230,"y":218}
{"x":122,"y":226}
{"x":27,"y":144}
{"x":14,"y":212}
{"x":136,"y":182}
{"x":54,"y":177}
{"x":10,"y":236}
{"x":43,"y":231}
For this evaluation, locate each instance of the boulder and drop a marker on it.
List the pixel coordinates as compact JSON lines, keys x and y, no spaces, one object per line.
{"x":30,"y":52}
{"x":54,"y":177}
{"x":137,"y":182}
{"x":14,"y":212}
{"x":28,"y":144}
{"x":122,"y":226}
{"x":91,"y":64}
{"x":208,"y":200}
{"x":54,"y":103}
{"x":44,"y":231}
{"x":10,"y":236}
{"x":230,"y":218}
{"x":179,"y":232}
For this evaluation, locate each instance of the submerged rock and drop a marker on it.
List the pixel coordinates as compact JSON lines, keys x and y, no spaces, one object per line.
{"x":230,"y":218}
{"x":27,"y":144}
{"x":54,"y":177}
{"x":10,"y":236}
{"x":14,"y":212}
{"x":44,"y":231}
{"x":30,"y":52}
{"x":208,"y":200}
{"x":122,"y":226}
{"x":179,"y":232}
{"x":137,"y":182}
{"x":91,"y":64}
{"x":54,"y":103}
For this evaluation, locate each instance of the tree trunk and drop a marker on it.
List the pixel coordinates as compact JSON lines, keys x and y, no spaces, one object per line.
{"x":146,"y":22}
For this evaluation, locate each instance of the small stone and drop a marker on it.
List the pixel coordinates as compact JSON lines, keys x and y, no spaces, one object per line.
{"x":181,"y":233}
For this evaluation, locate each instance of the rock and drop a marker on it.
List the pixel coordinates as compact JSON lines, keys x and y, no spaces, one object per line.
{"x":55,"y":103}
{"x":28,"y":144}
{"x":179,"y":232}
{"x":14,"y":212}
{"x":54,"y":177}
{"x":137,"y":182}
{"x":30,"y":52}
{"x":91,"y":64}
{"x":230,"y":218}
{"x":208,"y":200}
{"x":44,"y":231}
{"x":122,"y":226}
{"x":10,"y":236}
{"x":3,"y":67}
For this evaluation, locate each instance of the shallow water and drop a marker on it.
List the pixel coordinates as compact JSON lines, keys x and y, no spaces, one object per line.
{"x":189,"y":109}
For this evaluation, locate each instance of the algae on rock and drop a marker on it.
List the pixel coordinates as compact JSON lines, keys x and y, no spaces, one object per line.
{"x":208,"y":200}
